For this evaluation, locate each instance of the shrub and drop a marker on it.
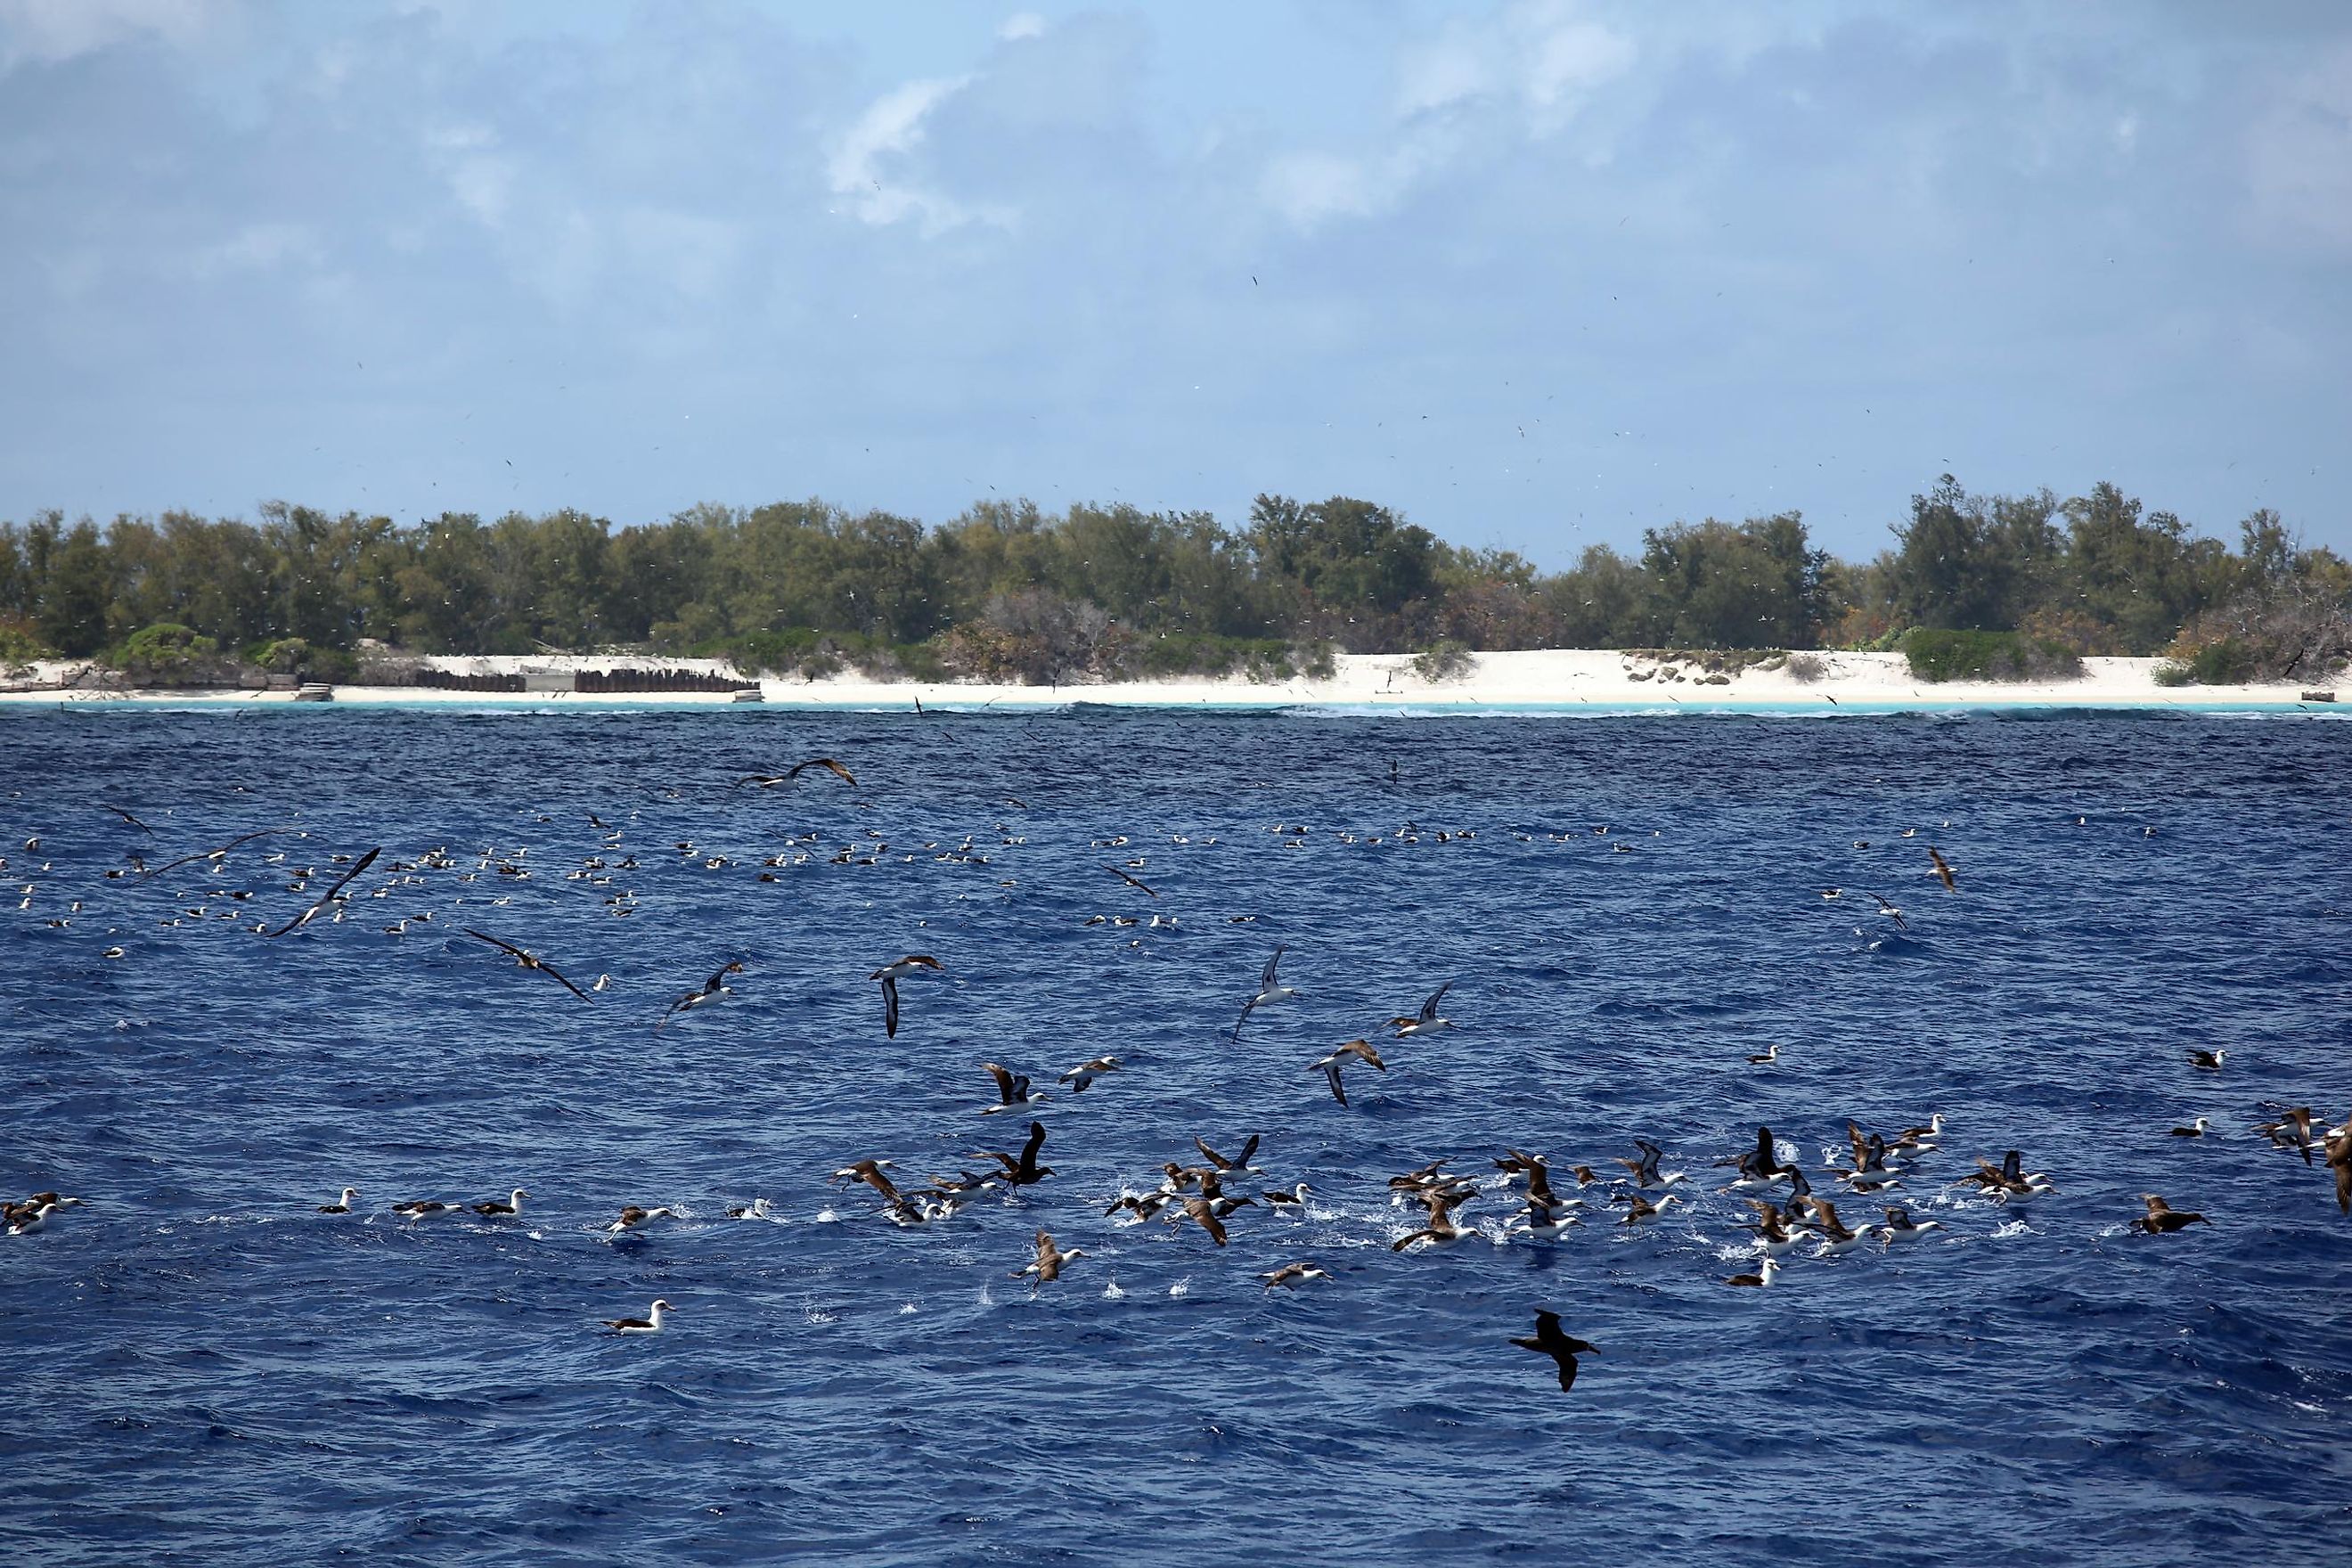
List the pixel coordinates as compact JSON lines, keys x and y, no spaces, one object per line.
{"x":1443,"y":661}
{"x":169,"y":654}
{"x":1937,"y":655}
{"x":2170,"y":672}
{"x":1807,"y":667}
{"x":1316,"y":661}
{"x":1035,"y":637}
{"x":2284,"y":632}
{"x":19,"y":643}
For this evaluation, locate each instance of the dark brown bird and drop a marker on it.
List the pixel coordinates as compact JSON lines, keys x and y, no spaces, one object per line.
{"x":1128,"y":880}
{"x":522,"y":960}
{"x":870,"y":1173}
{"x":1563,"y":1348}
{"x":1024,"y":1171}
{"x":2339,"y":1161}
{"x":1050,"y":1260}
{"x":1205,"y":1211}
{"x":769,"y":780}
{"x":2162,"y":1218}
{"x":1943,"y":870}
{"x":328,"y":896}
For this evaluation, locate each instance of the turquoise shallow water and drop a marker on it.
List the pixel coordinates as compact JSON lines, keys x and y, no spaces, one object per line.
{"x":206,"y":1369}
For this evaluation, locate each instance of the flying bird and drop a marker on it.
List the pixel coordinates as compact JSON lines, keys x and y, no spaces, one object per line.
{"x":712,"y":990}
{"x":1563,"y":1348}
{"x":128,"y":817}
{"x":327,"y":898}
{"x":1269,"y":989}
{"x":1012,"y":1089}
{"x":1128,"y":880}
{"x":1291,"y":1276}
{"x":1943,"y":870}
{"x":769,"y":780}
{"x":1426,"y":1021}
{"x":1079,"y":1076}
{"x":1050,"y":1262}
{"x":889,"y":975}
{"x":1363,"y":1050}
{"x":1886,"y":908}
{"x":212,"y":854}
{"x":1023,"y":1170}
{"x":527,"y":961}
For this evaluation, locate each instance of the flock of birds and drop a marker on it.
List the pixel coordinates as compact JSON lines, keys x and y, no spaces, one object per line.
{"x":1785,"y":1207}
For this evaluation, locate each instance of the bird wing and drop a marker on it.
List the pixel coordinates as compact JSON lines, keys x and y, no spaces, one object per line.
{"x":208,"y":854}
{"x":1125,"y":877}
{"x":1331,"y":1071}
{"x":1003,"y":1081}
{"x":327,"y":898}
{"x":557,"y":975}
{"x":1219,"y":1160}
{"x":1246,"y":1008}
{"x":1265,"y":980}
{"x":1249,"y":1147}
{"x":1429,"y":1008}
{"x":128,"y":817}
{"x":889,"y":1008}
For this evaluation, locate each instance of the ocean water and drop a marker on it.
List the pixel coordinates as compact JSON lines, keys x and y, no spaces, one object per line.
{"x":202,"y":1368}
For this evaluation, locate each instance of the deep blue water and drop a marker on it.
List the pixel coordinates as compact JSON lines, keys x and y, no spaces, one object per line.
{"x":202,"y":1368}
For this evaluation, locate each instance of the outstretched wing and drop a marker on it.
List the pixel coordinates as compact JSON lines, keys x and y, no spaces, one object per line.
{"x":889,"y":1008}
{"x":1128,"y":880}
{"x":1429,"y":1008}
{"x":329,"y":896}
{"x":829,"y":766}
{"x":1265,"y":980}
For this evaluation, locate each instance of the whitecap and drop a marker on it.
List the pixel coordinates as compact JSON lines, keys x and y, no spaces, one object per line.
{"x":1111,"y":1292}
{"x":906,"y":1308}
{"x":2015,"y":1227}
{"x":819,"y":1315}
{"x":1182,"y":1288}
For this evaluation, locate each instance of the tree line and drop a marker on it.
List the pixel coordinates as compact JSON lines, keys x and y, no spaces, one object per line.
{"x":771,"y":583}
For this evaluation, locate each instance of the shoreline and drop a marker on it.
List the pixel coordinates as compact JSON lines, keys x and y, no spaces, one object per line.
{"x":1528,"y":682}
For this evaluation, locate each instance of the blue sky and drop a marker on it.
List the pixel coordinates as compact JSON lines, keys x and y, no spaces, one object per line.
{"x":1539,"y":274}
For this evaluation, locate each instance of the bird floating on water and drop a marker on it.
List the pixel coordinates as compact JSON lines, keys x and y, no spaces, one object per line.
{"x":651,"y":1323}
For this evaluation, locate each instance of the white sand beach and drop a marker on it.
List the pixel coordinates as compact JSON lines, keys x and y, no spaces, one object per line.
{"x":1532,"y":681}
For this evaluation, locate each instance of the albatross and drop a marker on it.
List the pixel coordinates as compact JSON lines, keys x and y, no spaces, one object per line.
{"x":712,"y":989}
{"x":1563,"y":1348}
{"x":1426,"y":1021}
{"x":1269,"y":990}
{"x":771,"y":781}
{"x":889,"y":975}
{"x":527,"y":961}
{"x":651,"y":1323}
{"x":1049,"y":1263}
{"x":1363,"y":1050}
{"x":2163,"y":1219}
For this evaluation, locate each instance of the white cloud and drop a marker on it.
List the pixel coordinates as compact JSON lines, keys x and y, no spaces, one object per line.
{"x":1021,"y":25}
{"x":892,"y":128}
{"x":50,"y":30}
{"x":2299,"y":157}
{"x":256,"y":247}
